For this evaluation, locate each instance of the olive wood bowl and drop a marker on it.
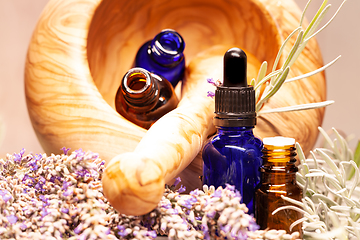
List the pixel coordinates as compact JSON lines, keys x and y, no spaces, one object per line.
{"x":80,"y":50}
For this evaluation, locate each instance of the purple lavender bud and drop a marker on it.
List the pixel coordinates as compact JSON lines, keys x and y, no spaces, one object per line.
{"x":253,"y":226}
{"x":17,"y":158}
{"x":65,"y":150}
{"x":38,"y":186}
{"x":64,"y":210}
{"x":79,"y":153}
{"x":3,"y":192}
{"x":120,"y":227}
{"x":195,"y":192}
{"x":33,"y":166}
{"x":166,"y":206}
{"x":181,"y":189}
{"x":225,"y":228}
{"x":78,"y":229}
{"x":82,"y":237}
{"x":241,"y":235}
{"x":152,"y":234}
{"x":177,"y":181}
{"x":190,"y":201}
{"x":12,"y":219}
{"x":210,"y":94}
{"x":37,"y":157}
{"x":22,"y":151}
{"x":230,"y":187}
{"x":217,"y":193}
{"x":23,"y":226}
{"x":66,"y":185}
{"x":121,"y":232}
{"x":211,"y":214}
{"x":108,"y":231}
{"x":44,"y":212}
{"x":193,"y":199}
{"x":68,"y":192}
{"x":42,"y":180}
{"x":205,"y":230}
{"x":6,"y":198}
{"x":211,"y":81}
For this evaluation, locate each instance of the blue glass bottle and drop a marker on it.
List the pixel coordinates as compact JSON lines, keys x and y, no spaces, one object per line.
{"x":163,"y":56}
{"x":233,"y":155}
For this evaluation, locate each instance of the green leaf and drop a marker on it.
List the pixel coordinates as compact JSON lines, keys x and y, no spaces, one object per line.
{"x":292,"y":51}
{"x":299,"y":107}
{"x":252,"y":82}
{"x":317,"y":22}
{"x":264,"y":79}
{"x":310,"y":26}
{"x":356,"y":160}
{"x":303,"y":13}
{"x":262,"y":72}
{"x":302,"y":159}
{"x":313,"y":72}
{"x":282,"y":48}
{"x":272,"y":89}
{"x":332,"y":165}
{"x":331,"y":19}
{"x":326,"y":137}
{"x":356,"y":180}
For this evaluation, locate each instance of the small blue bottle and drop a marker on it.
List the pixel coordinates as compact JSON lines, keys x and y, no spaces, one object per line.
{"x":233,"y":155}
{"x":163,"y":56}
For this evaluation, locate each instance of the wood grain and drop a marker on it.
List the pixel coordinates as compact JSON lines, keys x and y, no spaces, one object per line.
{"x":81,"y":49}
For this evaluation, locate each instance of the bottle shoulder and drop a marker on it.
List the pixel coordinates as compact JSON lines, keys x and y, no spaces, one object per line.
{"x":240,"y":139}
{"x":239,"y":146}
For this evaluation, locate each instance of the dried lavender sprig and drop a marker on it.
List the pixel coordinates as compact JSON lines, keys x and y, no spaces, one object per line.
{"x":60,"y":197}
{"x":208,"y":214}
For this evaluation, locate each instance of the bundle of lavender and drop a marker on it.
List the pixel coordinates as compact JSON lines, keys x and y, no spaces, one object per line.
{"x":60,"y":197}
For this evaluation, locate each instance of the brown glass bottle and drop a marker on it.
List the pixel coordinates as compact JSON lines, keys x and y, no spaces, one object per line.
{"x":144,"y":97}
{"x":278,"y":177}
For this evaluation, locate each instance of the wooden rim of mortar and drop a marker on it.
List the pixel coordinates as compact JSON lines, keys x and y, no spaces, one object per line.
{"x":80,"y":50}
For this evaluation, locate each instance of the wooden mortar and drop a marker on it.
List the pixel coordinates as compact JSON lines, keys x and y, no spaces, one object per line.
{"x":80,"y":50}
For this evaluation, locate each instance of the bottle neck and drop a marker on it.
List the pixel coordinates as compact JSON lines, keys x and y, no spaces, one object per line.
{"x":234,"y":130}
{"x":140,"y":89}
{"x":167,"y":48}
{"x":279,"y":164}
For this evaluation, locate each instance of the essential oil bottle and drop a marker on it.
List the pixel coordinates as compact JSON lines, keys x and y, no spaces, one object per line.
{"x":163,"y":56}
{"x":233,"y":155}
{"x":278,"y":178}
{"x":144,"y":97}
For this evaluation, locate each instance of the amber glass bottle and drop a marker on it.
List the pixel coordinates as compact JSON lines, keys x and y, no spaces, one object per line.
{"x":278,"y":177}
{"x":144,"y":97}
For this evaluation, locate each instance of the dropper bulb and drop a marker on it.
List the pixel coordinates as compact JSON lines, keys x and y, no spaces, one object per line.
{"x":235,"y":67}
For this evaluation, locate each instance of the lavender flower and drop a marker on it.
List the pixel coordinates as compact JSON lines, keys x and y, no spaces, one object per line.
{"x":12,"y":219}
{"x":60,"y":196}
{"x":65,"y":150}
{"x":210,"y":94}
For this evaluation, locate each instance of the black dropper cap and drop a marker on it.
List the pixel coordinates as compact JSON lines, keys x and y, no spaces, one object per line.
{"x":235,"y":99}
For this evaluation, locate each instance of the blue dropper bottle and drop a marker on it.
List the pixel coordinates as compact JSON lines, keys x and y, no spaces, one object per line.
{"x":233,"y":155}
{"x":163,"y":56}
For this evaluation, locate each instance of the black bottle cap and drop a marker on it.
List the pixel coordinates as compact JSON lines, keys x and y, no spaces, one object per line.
{"x":235,"y":99}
